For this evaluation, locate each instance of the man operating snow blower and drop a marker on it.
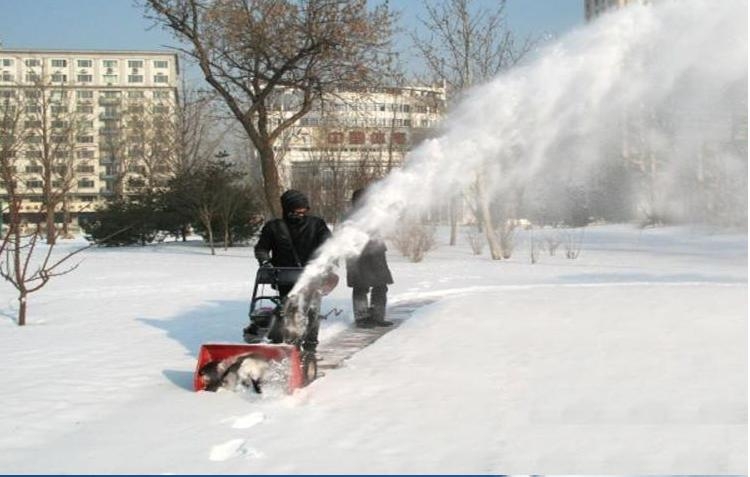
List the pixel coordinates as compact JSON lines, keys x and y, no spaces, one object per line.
{"x":291,"y":242}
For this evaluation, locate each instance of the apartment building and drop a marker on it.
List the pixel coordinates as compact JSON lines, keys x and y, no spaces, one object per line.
{"x":354,"y":137}
{"x":96,"y":119}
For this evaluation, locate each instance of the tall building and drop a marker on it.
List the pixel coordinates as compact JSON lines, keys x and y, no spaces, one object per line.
{"x":354,"y":137}
{"x":90,"y":124}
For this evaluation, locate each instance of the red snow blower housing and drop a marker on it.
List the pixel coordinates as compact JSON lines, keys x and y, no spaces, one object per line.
{"x":271,"y":335}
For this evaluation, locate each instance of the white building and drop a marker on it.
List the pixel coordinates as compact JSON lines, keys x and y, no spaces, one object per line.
{"x":100,"y":92}
{"x":352,"y":138}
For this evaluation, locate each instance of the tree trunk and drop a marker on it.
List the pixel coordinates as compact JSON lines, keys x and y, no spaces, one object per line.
{"x":454,"y":220}
{"x":22,"y":309}
{"x":50,"y":219}
{"x":226,"y":234}
{"x":496,"y":251}
{"x":206,"y":219}
{"x":66,"y":217}
{"x":271,"y":180}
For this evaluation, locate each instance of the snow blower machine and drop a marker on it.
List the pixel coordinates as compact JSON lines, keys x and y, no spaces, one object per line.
{"x":279,"y":339}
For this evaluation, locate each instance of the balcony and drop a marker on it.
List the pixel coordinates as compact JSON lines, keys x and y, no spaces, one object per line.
{"x":110,"y":101}
{"x":109,"y":116}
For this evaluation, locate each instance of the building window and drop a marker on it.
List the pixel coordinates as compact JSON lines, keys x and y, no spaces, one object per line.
{"x":32,"y":77}
{"x":33,"y":109}
{"x":34,"y":154}
{"x":58,"y":78}
{"x":135,"y":95}
{"x":161,"y":95}
{"x":58,"y":109}
{"x":85,"y":108}
{"x":85,"y":78}
{"x":398,"y":138}
{"x":85,"y":169}
{"x":33,"y":184}
{"x":7,"y":77}
{"x":32,"y":124}
{"x":110,"y":94}
{"x":356,"y":137}
{"x":135,"y":78}
{"x":33,"y":169}
{"x":109,"y":79}
{"x":58,"y":95}
{"x":377,"y":138}
{"x":160,"y":78}
{"x":32,"y":62}
{"x":85,"y":139}
{"x":161,"y":64}
{"x":59,"y":63}
{"x":335,"y":138}
{"x":84,"y":94}
{"x":85,"y":63}
{"x":85,"y":184}
{"x":135,"y":63}
{"x":85,"y":154}
{"x":6,"y":62}
{"x":109,"y":64}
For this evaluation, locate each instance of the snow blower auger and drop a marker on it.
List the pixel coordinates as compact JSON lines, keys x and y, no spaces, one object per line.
{"x":275,"y":336}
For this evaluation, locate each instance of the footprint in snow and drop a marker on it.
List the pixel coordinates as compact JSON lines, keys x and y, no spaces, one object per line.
{"x":248,"y":421}
{"x":232,"y":448}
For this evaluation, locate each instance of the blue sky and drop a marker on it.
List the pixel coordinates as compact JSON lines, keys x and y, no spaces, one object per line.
{"x":119,"y":24}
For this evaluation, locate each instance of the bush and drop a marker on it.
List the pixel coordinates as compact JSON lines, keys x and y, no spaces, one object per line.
{"x":122,"y":222}
{"x":414,"y":240}
{"x":476,"y":240}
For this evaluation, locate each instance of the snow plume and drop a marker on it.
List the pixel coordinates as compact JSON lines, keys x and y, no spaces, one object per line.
{"x":654,"y":91}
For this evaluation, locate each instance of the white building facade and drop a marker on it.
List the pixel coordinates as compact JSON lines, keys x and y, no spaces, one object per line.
{"x":353,"y":138}
{"x":80,"y":110}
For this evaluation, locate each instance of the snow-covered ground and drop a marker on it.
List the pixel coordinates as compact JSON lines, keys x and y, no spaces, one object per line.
{"x":631,"y":359}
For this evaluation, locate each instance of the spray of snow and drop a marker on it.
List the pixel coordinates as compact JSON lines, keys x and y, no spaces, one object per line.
{"x":681,"y":63}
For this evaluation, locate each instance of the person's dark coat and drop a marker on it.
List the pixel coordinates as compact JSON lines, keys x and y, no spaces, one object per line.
{"x":307,"y":233}
{"x":370,"y":268}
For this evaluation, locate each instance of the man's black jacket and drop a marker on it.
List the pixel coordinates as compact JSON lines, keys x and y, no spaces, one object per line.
{"x":274,"y":243}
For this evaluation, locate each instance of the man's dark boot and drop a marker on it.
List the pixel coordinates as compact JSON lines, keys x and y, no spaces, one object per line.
{"x":363,"y":321}
{"x":377,"y":317}
{"x":361,"y":312}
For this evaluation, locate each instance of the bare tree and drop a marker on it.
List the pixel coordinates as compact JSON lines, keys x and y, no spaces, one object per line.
{"x":465,"y":46}
{"x":11,"y":144}
{"x":114,"y":144}
{"x":251,"y":50}
{"x":52,"y":129}
{"x":20,"y":264}
{"x":414,"y":239}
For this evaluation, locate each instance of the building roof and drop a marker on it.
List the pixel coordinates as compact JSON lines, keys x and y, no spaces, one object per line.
{"x":75,"y":52}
